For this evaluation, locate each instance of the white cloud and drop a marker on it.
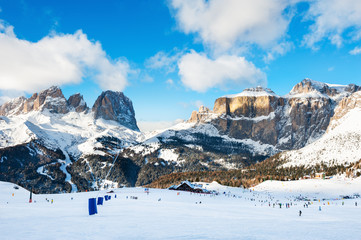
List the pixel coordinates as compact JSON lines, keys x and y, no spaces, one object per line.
{"x":56,"y":59}
{"x":278,"y":50}
{"x":163,"y":60}
{"x":200,"y":73}
{"x":355,"y":51}
{"x":146,"y":126}
{"x":224,"y":23}
{"x":169,"y":82}
{"x":332,"y":19}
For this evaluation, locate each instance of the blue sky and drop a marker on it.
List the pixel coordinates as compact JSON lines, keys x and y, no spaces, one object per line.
{"x":172,"y":56}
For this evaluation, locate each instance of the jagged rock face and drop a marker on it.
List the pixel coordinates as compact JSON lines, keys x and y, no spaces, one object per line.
{"x":351,"y":88}
{"x":13,"y":107}
{"x":253,"y":114}
{"x":288,"y":122}
{"x":305,"y":86}
{"x":339,"y":146}
{"x":307,"y":120}
{"x":246,"y":106}
{"x":51,"y":99}
{"x":201,"y":116}
{"x":117,"y":107}
{"x":263,"y":130}
{"x":29,"y":103}
{"x":308,"y":85}
{"x":77,"y":102}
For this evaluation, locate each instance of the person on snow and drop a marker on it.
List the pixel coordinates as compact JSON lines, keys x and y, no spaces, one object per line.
{"x":300,"y":213}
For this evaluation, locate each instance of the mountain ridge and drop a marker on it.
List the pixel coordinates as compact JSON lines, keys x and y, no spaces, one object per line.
{"x":103,"y":146}
{"x":110,"y":105}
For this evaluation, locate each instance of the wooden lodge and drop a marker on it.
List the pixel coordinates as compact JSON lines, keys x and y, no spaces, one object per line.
{"x":189,"y":187}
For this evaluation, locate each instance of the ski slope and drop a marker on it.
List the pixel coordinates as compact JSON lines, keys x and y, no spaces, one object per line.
{"x":235,"y":213}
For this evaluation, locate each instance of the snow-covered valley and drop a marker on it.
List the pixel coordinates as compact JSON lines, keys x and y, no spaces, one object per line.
{"x":235,"y":213}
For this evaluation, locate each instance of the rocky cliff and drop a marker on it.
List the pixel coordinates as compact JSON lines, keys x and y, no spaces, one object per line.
{"x":77,"y":103}
{"x":117,"y":107}
{"x":287,"y":122}
{"x":339,"y":147}
{"x":51,"y":99}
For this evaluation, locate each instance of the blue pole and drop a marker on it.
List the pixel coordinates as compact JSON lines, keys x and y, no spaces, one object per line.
{"x":92,"y":206}
{"x":100,"y":201}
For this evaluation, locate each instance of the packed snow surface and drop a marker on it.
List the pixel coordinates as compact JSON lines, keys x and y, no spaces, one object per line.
{"x":234,"y":213}
{"x":253,"y":92}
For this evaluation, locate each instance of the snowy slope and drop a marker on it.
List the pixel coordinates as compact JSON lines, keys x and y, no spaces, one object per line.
{"x":235,"y":213}
{"x":76,"y":133}
{"x":253,"y":92}
{"x":341,"y":144}
{"x":315,"y":188}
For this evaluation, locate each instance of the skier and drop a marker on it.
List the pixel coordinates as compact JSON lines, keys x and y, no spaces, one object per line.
{"x":300,"y":213}
{"x":355,"y":204}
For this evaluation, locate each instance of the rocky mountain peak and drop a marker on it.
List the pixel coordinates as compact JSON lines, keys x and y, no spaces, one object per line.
{"x":76,"y":101}
{"x":51,"y":99}
{"x":12,"y":107}
{"x":308,"y":85}
{"x":115,"y":106}
{"x":313,"y":89}
{"x":351,"y":88}
{"x":203,"y":115}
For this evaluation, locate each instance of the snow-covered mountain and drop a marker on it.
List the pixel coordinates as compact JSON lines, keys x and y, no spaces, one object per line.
{"x":288,"y":122}
{"x":340,"y":145}
{"x":67,"y":124}
{"x":241,"y":129}
{"x":55,"y":144}
{"x":47,"y":123}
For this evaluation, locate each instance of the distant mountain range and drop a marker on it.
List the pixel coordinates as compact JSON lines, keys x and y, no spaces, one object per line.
{"x":53,"y":144}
